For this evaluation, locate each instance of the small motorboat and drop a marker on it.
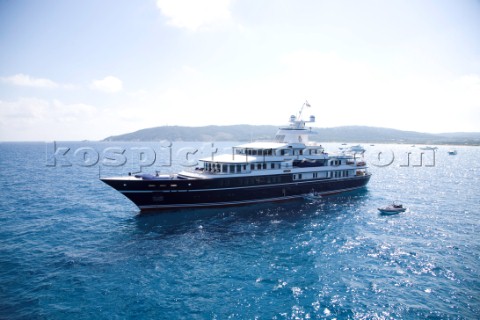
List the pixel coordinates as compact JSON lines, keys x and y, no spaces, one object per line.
{"x":452,"y":152}
{"x":392,"y":209}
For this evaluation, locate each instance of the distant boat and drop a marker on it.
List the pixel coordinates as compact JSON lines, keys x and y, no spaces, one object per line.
{"x":392,"y":209}
{"x":356,"y":149}
{"x":428,"y":148}
{"x":452,"y":152}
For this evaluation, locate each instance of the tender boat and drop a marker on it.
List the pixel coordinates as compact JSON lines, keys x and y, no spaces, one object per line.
{"x":285,"y":169}
{"x":392,"y":209}
{"x":452,"y":152}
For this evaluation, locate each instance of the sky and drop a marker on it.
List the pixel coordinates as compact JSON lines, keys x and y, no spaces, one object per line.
{"x":86,"y":70}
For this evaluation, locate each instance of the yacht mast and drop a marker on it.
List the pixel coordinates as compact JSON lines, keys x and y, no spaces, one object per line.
{"x":305,"y":104}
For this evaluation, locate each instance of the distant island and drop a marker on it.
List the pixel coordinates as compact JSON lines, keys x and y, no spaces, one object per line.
{"x":266,"y":132}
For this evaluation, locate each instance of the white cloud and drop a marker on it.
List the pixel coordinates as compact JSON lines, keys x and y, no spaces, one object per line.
{"x":109,"y":84}
{"x":28,"y":81}
{"x":72,"y":113}
{"x":349,"y":92}
{"x":195,"y":14}
{"x":341,"y":92}
{"x":39,"y":119}
{"x":39,"y":109}
{"x":33,"y":119}
{"x":24,"y":109}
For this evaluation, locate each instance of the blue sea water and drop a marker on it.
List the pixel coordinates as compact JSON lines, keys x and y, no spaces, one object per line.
{"x":73,"y":248}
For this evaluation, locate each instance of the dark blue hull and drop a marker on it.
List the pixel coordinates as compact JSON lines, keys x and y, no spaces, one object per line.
{"x":158,"y":194}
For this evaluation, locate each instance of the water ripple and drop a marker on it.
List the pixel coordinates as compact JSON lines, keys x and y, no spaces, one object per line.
{"x":73,"y":248}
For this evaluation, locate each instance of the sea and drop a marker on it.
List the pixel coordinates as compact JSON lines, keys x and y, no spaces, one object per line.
{"x":73,"y":248}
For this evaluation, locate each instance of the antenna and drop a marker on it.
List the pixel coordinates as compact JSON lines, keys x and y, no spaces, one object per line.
{"x":305,"y":104}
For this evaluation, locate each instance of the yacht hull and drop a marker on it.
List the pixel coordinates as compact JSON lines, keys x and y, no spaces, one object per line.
{"x":168,"y":194}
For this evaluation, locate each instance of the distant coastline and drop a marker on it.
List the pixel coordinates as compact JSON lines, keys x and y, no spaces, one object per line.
{"x":362,"y":134}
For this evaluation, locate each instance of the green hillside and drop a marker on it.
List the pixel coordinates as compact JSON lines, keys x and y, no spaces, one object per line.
{"x":266,"y":132}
